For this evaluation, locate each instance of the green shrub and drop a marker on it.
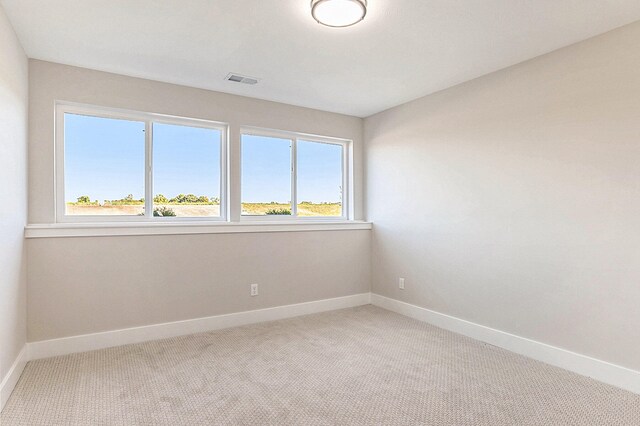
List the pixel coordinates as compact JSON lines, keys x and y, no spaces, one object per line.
{"x":278,"y":212}
{"x":163,"y":212}
{"x":84,"y":199}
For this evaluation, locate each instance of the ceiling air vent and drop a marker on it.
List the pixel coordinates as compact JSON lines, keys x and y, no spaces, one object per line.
{"x":241,"y":78}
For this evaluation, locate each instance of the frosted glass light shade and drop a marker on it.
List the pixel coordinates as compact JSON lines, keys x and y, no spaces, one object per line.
{"x":338,"y":13}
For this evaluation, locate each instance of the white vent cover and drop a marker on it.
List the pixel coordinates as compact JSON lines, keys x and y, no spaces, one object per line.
{"x":237,"y":78}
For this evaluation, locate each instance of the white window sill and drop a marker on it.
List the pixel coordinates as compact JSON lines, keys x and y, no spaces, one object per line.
{"x":62,"y":230}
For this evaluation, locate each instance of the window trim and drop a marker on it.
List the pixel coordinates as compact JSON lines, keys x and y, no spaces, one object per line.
{"x":230,"y":169}
{"x":347,"y":183}
{"x":111,"y":229}
{"x":62,"y":108}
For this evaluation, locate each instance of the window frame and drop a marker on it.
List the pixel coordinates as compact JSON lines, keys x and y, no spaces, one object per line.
{"x":62,"y":108}
{"x":345,"y":144}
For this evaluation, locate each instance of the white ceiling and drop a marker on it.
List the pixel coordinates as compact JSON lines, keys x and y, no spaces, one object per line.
{"x":404,"y":49}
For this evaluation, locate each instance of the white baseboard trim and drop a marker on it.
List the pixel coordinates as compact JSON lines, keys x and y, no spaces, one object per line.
{"x":612,"y":374}
{"x":11,"y":379}
{"x":89,"y":342}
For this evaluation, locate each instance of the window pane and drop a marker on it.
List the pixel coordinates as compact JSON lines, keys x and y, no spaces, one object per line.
{"x":319,"y":179}
{"x":186,"y":171}
{"x":266,"y":175}
{"x":103,"y":166}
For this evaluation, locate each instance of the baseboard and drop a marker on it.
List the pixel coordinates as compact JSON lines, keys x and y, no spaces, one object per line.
{"x":596,"y":369}
{"x":13,"y":375}
{"x":89,"y":342}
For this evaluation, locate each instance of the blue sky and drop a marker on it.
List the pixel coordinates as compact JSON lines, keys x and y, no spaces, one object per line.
{"x":104,"y":159}
{"x":319,"y":172}
{"x":194,"y":168}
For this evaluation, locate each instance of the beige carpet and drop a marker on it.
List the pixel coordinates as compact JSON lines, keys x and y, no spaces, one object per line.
{"x":361,"y":366}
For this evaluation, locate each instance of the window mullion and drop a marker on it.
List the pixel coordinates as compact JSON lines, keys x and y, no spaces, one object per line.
{"x":148,"y":195}
{"x":225,"y":176}
{"x":344,"y":196}
{"x":294,"y":178}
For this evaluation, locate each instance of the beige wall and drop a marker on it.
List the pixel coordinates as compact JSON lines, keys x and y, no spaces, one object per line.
{"x":13,"y":192}
{"x":513,"y":200}
{"x":87,"y":285}
{"x":92,"y":284}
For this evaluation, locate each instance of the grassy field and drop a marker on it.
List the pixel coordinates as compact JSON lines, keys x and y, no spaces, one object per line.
{"x":308,"y":209}
{"x":304,"y":209}
{"x":206,"y":210}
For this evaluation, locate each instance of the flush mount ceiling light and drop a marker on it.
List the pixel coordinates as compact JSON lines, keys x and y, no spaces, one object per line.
{"x":338,"y":13}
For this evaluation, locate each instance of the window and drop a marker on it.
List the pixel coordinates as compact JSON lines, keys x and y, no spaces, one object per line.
{"x":126,"y":166}
{"x":266,"y":175}
{"x":104,"y":155}
{"x":104,"y":166}
{"x":186,"y":170}
{"x":320,"y":179}
{"x":292,"y":175}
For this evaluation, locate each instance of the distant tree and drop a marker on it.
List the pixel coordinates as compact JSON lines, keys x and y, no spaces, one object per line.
{"x":160,"y":199}
{"x":183,"y":199}
{"x":129,"y":197}
{"x":203,"y":199}
{"x":84,"y":199}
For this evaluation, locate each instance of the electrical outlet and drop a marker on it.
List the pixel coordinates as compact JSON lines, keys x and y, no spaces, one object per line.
{"x":254,"y":289}
{"x":401,"y":283}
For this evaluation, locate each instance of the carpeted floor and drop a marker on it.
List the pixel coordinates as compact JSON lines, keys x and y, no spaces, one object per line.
{"x":360,"y":366}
